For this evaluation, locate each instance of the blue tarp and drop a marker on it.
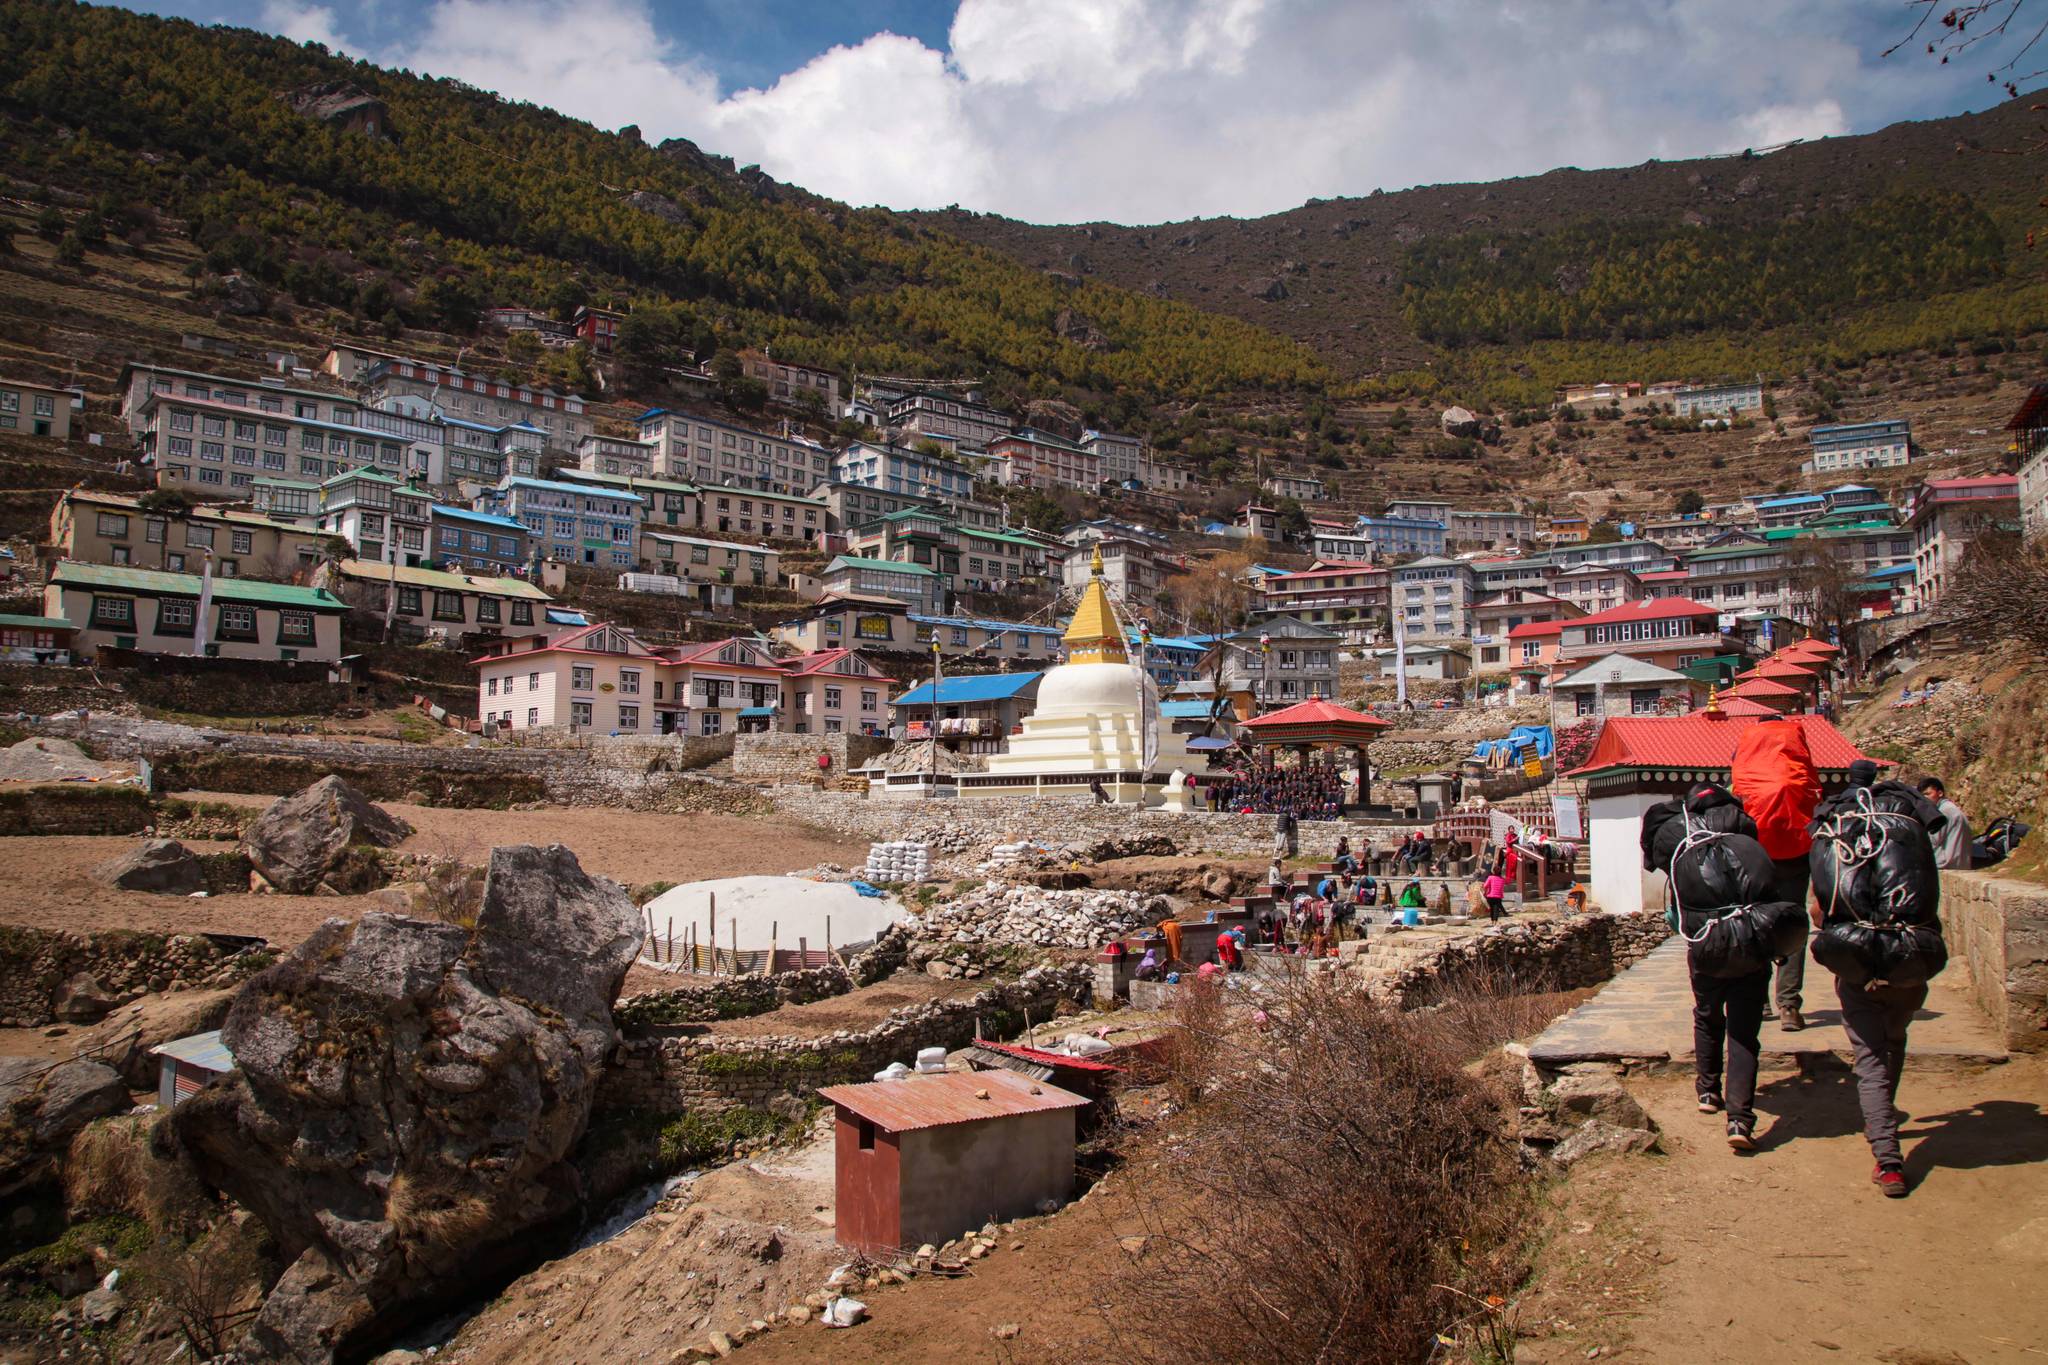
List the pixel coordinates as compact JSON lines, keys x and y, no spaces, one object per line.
{"x":1521,"y":742}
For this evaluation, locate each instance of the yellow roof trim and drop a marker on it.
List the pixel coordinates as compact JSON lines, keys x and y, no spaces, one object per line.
{"x":1093,"y":636}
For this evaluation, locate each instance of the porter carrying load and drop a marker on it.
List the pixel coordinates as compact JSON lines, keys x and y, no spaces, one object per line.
{"x":1879,"y":887}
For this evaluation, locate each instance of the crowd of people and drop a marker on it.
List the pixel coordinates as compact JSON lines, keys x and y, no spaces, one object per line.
{"x":1311,"y":788}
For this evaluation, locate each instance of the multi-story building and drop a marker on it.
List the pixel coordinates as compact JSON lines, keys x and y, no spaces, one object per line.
{"x":921,"y":588}
{"x":729,"y":686}
{"x":1670,"y":632}
{"x":1132,"y":568}
{"x":1510,"y":575}
{"x":1420,"y":509}
{"x":384,"y":520}
{"x":1300,"y":487}
{"x":1279,"y":662}
{"x":1744,"y":577}
{"x":698,"y":560}
{"x":956,"y":421}
{"x":796,"y":386}
{"x":262,"y":396}
{"x":1718,"y":400}
{"x":678,"y":506}
{"x":1497,"y":618}
{"x":461,"y":538}
{"x":295,"y":500}
{"x":1481,"y":530}
{"x":436,"y":601}
{"x":1432,"y":598}
{"x":771,"y":516}
{"x":1643,"y":556}
{"x":1596,"y":587}
{"x":1348,"y":597}
{"x":1567,"y":530}
{"x":1030,"y":458}
{"x":836,"y":691}
{"x":992,"y":560}
{"x":1160,"y":476}
{"x":597,"y":328}
{"x":897,"y":469}
{"x":35,"y":409}
{"x":1687,"y":532}
{"x":1122,"y":456}
{"x":479,"y":454}
{"x":151,"y":611}
{"x":1860,"y":445}
{"x":211,"y":446}
{"x":109,"y":528}
{"x":616,"y":455}
{"x":573,"y":523}
{"x":700,"y":449}
{"x":1944,"y":516}
{"x":456,"y":393}
{"x":597,"y":678}
{"x":2029,"y":428}
{"x":1378,"y":538}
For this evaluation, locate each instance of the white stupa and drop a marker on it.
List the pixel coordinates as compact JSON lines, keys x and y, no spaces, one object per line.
{"x":1091,"y":720}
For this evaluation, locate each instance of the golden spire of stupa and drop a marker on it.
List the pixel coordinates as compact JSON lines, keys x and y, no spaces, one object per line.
{"x":1093,"y":636}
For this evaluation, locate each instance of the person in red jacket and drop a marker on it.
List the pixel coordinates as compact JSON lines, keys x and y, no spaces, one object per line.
{"x":1774,"y":778}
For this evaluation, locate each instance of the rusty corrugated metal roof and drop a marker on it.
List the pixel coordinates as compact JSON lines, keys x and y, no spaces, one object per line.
{"x":952,"y":1097}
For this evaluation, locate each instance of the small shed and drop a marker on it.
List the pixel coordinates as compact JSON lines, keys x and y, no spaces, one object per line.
{"x":924,"y":1158}
{"x":188,"y":1064}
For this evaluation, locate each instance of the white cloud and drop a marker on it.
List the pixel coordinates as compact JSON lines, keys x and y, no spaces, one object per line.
{"x":1151,"y":110}
{"x":303,"y":23}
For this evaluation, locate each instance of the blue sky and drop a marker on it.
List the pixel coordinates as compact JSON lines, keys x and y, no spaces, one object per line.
{"x":1155,"y":110}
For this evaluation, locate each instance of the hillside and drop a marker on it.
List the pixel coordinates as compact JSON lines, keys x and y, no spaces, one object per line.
{"x":1880,"y":242}
{"x":459,"y":200}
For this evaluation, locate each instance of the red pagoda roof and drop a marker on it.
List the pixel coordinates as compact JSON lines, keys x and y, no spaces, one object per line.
{"x":1704,"y":740}
{"x":1762,"y":687}
{"x":1318,"y":713}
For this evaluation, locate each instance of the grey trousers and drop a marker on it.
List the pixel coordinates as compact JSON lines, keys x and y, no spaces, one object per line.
{"x":1876,"y":1021}
{"x":1790,"y":884}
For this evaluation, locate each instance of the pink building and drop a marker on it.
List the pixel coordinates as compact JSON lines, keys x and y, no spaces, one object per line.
{"x":836,"y":691}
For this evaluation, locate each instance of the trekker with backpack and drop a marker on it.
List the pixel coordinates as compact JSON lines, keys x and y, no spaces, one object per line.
{"x":1877,"y":898}
{"x":1773,"y":776}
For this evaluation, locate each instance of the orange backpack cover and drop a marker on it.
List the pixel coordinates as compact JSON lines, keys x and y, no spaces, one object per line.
{"x":1774,"y":778}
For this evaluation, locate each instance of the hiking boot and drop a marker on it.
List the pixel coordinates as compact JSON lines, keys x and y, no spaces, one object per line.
{"x":1710,"y":1104}
{"x":1739,"y":1138}
{"x":1791,"y":1020}
{"x":1890,"y":1181}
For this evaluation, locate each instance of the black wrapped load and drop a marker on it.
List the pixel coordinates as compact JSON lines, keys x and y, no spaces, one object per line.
{"x":1706,"y":808}
{"x":1730,"y":943}
{"x":1879,"y":888}
{"x":1899,"y":954}
{"x":1711,"y":871}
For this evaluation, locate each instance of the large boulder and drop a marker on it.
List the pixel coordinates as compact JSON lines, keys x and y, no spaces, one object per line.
{"x":299,"y":840}
{"x":163,"y":866}
{"x":43,"y":1106}
{"x":407,"y":1093}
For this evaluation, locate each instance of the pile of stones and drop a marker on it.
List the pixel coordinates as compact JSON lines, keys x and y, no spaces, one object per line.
{"x":1047,"y":919}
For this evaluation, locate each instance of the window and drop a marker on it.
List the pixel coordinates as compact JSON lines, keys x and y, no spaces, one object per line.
{"x":199,"y":537}
{"x":629,"y":682}
{"x":113,"y":527}
{"x":114,"y":613}
{"x":487,"y":611}
{"x":533,"y":682}
{"x":175,"y":615}
{"x":295,"y":627}
{"x":522,"y":613}
{"x":491,"y":687}
{"x":868,"y":700}
{"x":409,"y":601}
{"x":710,"y":723}
{"x":832,"y":698}
{"x":237,"y":622}
{"x":583,"y":678}
{"x":243,"y":542}
{"x":579,"y":713}
{"x":629,"y":717}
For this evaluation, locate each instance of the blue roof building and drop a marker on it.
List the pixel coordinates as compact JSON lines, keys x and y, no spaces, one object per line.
{"x":572,"y":522}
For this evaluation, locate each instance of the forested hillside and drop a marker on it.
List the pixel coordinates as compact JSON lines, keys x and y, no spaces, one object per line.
{"x":1914,"y":237}
{"x":473,"y":201}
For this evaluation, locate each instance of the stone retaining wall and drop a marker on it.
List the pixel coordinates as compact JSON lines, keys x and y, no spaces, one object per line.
{"x":1535,"y":955}
{"x":793,"y":759}
{"x":38,"y":965}
{"x":2000,"y":928}
{"x":75,"y":808}
{"x":672,"y":1074}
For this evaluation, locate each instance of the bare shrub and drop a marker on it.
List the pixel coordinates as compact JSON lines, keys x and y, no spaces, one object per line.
{"x":452,"y":884}
{"x":1987,"y":602}
{"x":1198,"y":1037}
{"x":211,"y":1287}
{"x":1341,"y":1193}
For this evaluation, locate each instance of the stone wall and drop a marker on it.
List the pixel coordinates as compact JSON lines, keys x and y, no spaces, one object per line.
{"x":39,"y":969}
{"x":2000,"y":928}
{"x":793,"y":759}
{"x":1533,"y":955}
{"x":75,"y":808}
{"x":668,"y":1075}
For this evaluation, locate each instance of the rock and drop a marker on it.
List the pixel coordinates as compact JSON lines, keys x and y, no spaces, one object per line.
{"x":300,"y":839}
{"x":1272,"y":289}
{"x":1134,"y":1246}
{"x":82,"y":1000}
{"x":50,"y":1103}
{"x":659,"y":205}
{"x":100,"y":1307}
{"x":721,"y":1343}
{"x":1596,"y":1136}
{"x":163,"y":866}
{"x":1006,"y":1331}
{"x":407,"y":1094}
{"x":400,"y":1358}
{"x":1599,"y":1096}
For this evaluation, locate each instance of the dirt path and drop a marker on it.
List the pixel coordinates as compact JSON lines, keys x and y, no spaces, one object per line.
{"x":1791,"y":1255}
{"x":49,"y":882}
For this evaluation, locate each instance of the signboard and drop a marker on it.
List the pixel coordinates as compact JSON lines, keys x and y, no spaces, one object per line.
{"x":1566,"y":809}
{"x":872,"y":627}
{"x":1532,"y":767}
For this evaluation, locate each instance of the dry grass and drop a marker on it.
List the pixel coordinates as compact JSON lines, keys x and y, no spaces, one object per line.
{"x":1347,"y":1195}
{"x":436,"y":1215}
{"x":113,"y":1167}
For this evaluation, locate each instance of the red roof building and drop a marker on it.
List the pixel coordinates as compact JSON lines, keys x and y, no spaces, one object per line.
{"x":1671,"y":632}
{"x":1699,"y":747}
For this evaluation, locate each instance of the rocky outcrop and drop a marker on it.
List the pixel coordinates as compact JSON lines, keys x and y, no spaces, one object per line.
{"x":659,"y":205}
{"x":407,"y":1094}
{"x":43,"y":1106}
{"x":1033,"y":915}
{"x":301,"y":840}
{"x":163,"y":866}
